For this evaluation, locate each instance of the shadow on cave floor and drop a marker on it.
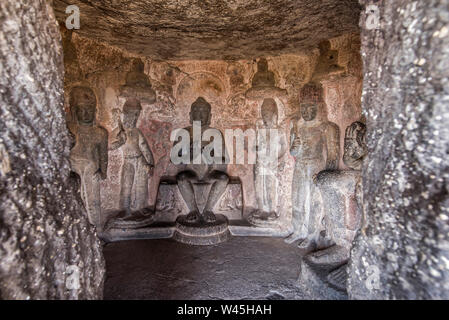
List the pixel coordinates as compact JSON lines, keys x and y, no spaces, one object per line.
{"x":242,"y":268}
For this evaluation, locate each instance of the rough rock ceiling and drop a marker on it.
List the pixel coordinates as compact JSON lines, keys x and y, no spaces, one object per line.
{"x":213,"y":29}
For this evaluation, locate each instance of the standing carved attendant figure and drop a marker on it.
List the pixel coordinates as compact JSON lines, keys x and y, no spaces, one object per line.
{"x":89,"y":156}
{"x":138,"y":159}
{"x":271,"y":146}
{"x":315,"y":146}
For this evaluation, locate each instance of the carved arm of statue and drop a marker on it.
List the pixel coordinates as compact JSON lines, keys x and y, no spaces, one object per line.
{"x":103,"y":152}
{"x":295,"y":149}
{"x":332,"y":146}
{"x":118,"y":135}
{"x":72,"y":126}
{"x":146,"y":151}
{"x":295,"y":142}
{"x":282,"y":148}
{"x":283,"y":143}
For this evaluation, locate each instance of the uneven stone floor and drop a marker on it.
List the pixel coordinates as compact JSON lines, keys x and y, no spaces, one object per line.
{"x":242,"y":268}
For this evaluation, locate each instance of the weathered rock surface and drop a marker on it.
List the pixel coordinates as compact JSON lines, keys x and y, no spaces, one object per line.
{"x":214,"y":30}
{"x":402,"y":251}
{"x":45,"y":238}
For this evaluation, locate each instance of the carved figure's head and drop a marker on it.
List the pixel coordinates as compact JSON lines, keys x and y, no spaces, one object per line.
{"x":309,"y":111}
{"x":131,"y":113}
{"x":84,"y":103}
{"x":201,"y":111}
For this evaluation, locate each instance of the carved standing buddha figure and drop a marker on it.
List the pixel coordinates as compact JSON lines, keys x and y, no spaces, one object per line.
{"x":138,"y":163}
{"x":315,"y":146}
{"x":271,"y":146}
{"x":89,"y":156}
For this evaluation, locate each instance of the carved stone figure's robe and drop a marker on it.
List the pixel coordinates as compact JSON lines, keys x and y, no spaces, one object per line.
{"x":88,"y":157}
{"x":137,"y":157}
{"x":270,"y":148}
{"x":318,"y":150}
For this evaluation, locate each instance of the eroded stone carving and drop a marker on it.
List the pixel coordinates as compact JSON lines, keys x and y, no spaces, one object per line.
{"x":271,"y":146}
{"x":201,"y":186}
{"x":341,"y":192}
{"x":315,"y":146}
{"x":196,"y":175}
{"x":235,"y":72}
{"x":138,"y":84}
{"x":263,"y":83}
{"x":89,"y":156}
{"x":355,"y":145}
{"x":263,"y":76}
{"x":138,"y":163}
{"x":327,"y":62}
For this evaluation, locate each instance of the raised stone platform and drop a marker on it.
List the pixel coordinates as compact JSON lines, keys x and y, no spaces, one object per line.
{"x":240,"y":228}
{"x":268,"y":222}
{"x":236,"y":228}
{"x":139,"y":219}
{"x":120,"y":234}
{"x":202,"y":233}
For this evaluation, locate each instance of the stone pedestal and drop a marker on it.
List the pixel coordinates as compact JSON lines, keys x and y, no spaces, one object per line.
{"x":139,"y":219}
{"x":264,"y":222}
{"x":202,"y":233}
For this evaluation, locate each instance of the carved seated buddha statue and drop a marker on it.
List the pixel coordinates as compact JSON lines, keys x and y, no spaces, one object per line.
{"x":263,"y":83}
{"x":138,"y":84}
{"x":194,"y":178}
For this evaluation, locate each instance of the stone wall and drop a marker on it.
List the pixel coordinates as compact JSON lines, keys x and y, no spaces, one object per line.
{"x":402,"y":251}
{"x":223,"y":84}
{"x":45,"y":238}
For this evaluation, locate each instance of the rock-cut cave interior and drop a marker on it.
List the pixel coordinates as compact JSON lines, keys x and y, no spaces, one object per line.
{"x":224,"y":150}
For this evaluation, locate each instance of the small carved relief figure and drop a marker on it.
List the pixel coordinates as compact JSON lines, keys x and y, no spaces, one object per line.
{"x":327,"y":62}
{"x":193,"y":177}
{"x":355,"y":145}
{"x":89,"y":156}
{"x":315,"y":146}
{"x":138,"y":84}
{"x":138,"y":159}
{"x":263,"y":77}
{"x":263,"y":83}
{"x":341,"y":192}
{"x":235,"y":73}
{"x":271,"y":146}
